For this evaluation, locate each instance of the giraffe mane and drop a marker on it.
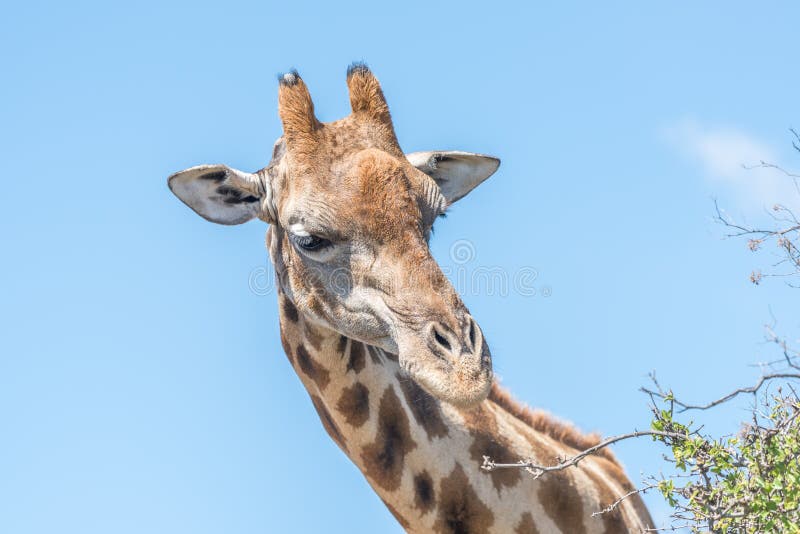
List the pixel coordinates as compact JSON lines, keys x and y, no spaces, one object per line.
{"x":544,"y":422}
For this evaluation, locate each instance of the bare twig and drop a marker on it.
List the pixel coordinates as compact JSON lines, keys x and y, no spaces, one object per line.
{"x":785,"y":234}
{"x":538,"y":470}
{"x":636,"y":491}
{"x":752,"y":389}
{"x":766,"y":165}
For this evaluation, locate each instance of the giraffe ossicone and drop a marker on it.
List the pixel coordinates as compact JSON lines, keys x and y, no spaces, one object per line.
{"x":395,"y":365}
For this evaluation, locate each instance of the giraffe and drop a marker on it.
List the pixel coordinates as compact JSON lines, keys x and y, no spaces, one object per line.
{"x":396,"y":367}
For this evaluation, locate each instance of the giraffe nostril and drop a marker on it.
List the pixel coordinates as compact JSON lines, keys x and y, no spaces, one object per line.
{"x":472,"y":333}
{"x":441,"y":340}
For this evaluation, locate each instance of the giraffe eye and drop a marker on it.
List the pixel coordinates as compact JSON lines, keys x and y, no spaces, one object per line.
{"x":309,"y":242}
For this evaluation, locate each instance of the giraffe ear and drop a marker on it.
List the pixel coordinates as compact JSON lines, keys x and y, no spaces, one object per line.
{"x":456,"y":173}
{"x":221,"y":194}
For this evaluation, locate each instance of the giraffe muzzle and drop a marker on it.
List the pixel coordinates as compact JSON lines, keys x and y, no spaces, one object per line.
{"x":450,"y":359}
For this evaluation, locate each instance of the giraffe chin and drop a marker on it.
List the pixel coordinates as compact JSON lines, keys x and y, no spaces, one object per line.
{"x":463,"y":384}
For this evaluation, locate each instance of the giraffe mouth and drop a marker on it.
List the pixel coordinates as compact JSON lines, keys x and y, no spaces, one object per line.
{"x":462,"y":382}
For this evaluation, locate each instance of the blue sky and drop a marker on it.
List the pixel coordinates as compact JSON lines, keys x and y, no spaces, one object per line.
{"x":142,"y":383}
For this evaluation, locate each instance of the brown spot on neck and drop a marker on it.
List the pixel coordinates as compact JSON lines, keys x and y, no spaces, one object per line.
{"x":288,"y":309}
{"x":312,"y":369}
{"x":384,"y":458}
{"x":312,"y":335}
{"x":493,"y":446}
{"x":424,"y":494}
{"x":356,"y":359}
{"x":426,"y":410}
{"x":480,"y":417}
{"x":562,"y":502}
{"x":481,"y":423}
{"x":353,"y":404}
{"x":526,"y":525}
{"x":460,"y":510}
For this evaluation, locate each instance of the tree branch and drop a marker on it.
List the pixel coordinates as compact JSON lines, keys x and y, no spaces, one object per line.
{"x":538,"y":470}
{"x":636,"y":491}
{"x":752,"y":389}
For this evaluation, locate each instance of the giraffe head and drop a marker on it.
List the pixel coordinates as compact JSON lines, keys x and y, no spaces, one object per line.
{"x":351,"y":215}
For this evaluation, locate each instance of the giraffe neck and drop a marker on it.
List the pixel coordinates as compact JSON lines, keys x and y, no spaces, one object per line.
{"x":423,"y":457}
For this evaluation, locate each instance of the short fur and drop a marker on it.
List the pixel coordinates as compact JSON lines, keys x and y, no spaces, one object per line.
{"x":542,"y":421}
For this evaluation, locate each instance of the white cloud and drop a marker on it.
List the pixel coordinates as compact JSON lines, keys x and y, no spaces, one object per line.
{"x":724,"y":152}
